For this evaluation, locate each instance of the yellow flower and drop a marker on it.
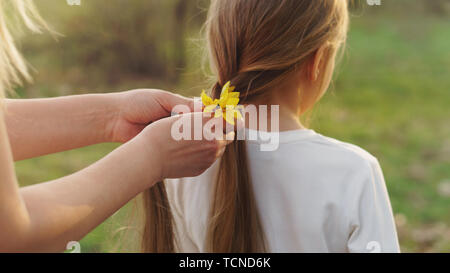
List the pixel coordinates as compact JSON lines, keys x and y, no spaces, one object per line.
{"x":226,"y":106}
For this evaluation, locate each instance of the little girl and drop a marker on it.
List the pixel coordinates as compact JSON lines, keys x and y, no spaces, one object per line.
{"x":314,"y":193}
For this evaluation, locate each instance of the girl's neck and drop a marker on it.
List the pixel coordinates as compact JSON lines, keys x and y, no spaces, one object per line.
{"x":289,"y":116}
{"x":289,"y":120}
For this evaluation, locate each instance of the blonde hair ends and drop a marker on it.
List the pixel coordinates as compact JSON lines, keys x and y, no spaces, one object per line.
{"x":13,"y":68}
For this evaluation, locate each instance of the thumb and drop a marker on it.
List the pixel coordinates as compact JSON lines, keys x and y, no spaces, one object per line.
{"x":171,"y":100}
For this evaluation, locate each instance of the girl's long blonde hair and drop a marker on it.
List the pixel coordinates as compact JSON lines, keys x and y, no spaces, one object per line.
{"x":13,"y":68}
{"x":255,"y":44}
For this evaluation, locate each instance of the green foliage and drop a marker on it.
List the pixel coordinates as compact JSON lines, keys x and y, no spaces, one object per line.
{"x":116,"y":39}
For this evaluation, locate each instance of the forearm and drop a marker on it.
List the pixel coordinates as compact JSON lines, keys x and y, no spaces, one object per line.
{"x":45,"y":217}
{"x":43,"y":126}
{"x":14,"y":218}
{"x":68,"y":208}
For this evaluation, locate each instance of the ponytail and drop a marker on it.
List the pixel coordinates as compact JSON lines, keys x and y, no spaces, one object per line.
{"x":158,"y":234}
{"x":234,"y":223}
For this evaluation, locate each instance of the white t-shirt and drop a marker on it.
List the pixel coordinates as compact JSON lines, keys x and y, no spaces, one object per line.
{"x":314,"y":194}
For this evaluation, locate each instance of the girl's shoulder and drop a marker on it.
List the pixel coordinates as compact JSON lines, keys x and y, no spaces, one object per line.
{"x":343,"y":149}
{"x":309,"y":148}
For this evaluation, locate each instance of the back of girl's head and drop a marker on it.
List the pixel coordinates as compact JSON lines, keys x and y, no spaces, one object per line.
{"x":255,"y":44}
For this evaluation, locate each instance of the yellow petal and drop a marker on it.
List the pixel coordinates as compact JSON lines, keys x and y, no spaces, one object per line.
{"x":206,"y":100}
{"x":223,"y":101}
{"x":232,"y":102}
{"x":223,"y":98}
{"x":234,"y":95}
{"x":218,"y":113}
{"x":229,"y":117}
{"x":224,"y":93}
{"x":210,"y":108}
{"x":226,"y":87}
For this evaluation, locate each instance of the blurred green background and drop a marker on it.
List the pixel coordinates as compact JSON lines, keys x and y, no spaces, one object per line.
{"x":390,"y":96}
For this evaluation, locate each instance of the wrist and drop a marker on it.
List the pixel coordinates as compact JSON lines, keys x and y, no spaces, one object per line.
{"x":111,"y":116}
{"x":149,"y":149}
{"x":154,"y":152}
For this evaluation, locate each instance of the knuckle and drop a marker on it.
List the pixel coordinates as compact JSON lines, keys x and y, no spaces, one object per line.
{"x":214,"y":146}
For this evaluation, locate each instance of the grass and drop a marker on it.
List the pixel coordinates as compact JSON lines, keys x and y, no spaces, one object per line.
{"x":390,"y":97}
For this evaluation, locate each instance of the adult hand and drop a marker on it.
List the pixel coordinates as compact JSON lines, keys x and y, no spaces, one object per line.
{"x":180,"y":158}
{"x":38,"y":127}
{"x":138,"y":108}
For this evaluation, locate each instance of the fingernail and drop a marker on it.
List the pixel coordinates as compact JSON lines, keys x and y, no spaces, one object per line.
{"x":230,"y":136}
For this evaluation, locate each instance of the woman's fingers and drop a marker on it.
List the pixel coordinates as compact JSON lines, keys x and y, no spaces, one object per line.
{"x":170,"y":100}
{"x":187,"y":144}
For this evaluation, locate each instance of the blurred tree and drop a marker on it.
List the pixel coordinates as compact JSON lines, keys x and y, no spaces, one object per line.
{"x":126,"y":38}
{"x":438,"y":7}
{"x":179,"y":30}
